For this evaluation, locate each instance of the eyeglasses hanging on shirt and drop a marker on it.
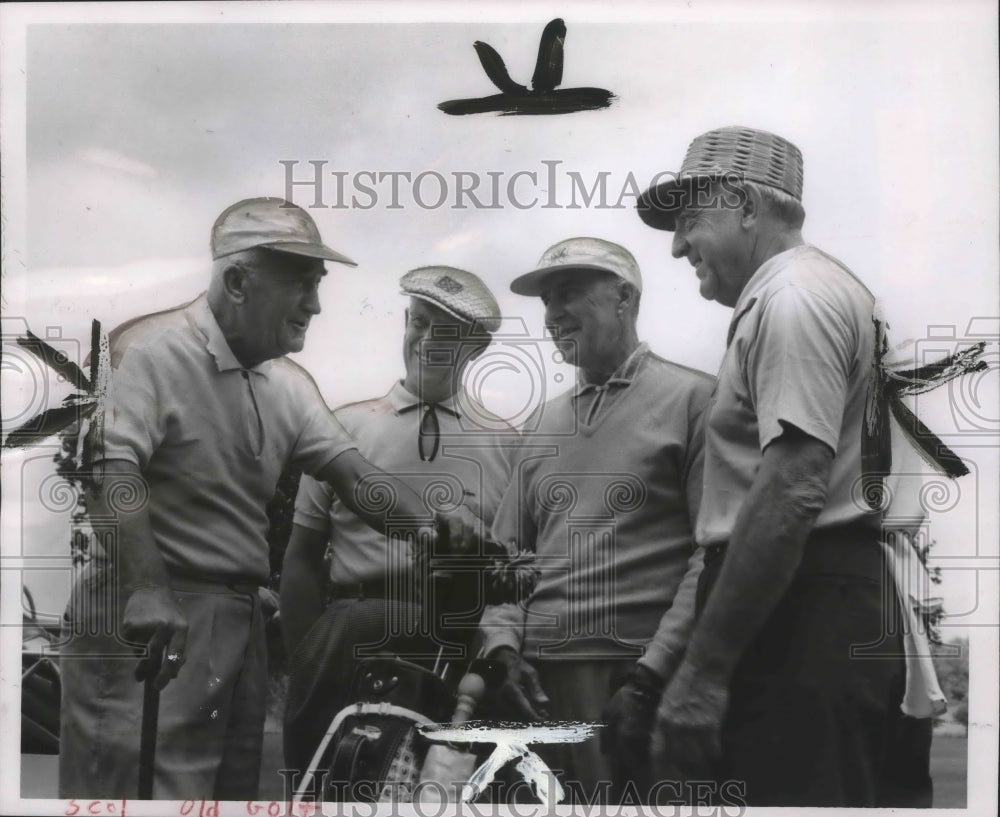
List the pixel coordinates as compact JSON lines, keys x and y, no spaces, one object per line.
{"x":429,"y":434}
{"x":429,"y":430}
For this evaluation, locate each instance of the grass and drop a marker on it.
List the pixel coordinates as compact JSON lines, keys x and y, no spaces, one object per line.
{"x":949,"y":762}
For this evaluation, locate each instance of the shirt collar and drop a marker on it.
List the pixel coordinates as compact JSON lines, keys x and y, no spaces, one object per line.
{"x":402,"y":399}
{"x":762,"y":277}
{"x":758,"y":281}
{"x":215,"y":342}
{"x":623,"y":375}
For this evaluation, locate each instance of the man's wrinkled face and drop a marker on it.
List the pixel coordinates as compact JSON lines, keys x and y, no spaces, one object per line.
{"x":436,"y":347}
{"x":282,"y":296}
{"x":582,"y":313}
{"x":712,"y":238}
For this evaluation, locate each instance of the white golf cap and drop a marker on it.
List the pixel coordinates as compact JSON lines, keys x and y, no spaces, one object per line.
{"x":580,"y":253}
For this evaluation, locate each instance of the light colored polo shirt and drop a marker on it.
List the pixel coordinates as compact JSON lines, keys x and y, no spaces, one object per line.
{"x":210,"y":437}
{"x":800,"y":353}
{"x":470,"y":468}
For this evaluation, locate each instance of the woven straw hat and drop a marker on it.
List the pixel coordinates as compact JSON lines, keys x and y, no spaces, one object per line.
{"x":459,"y":293}
{"x":580,"y":253}
{"x":743,"y":153}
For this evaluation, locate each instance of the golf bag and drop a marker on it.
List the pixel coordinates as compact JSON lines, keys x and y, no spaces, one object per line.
{"x":372,"y":750}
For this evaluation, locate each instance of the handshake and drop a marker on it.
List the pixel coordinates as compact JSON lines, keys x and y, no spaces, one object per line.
{"x":458,"y":546}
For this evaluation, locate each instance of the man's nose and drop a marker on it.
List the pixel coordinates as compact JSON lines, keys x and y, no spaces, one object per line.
{"x":553,"y":310}
{"x":679,"y":246}
{"x":311,"y":302}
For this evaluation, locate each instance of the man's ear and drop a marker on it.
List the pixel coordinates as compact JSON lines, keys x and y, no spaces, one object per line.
{"x":627,"y":295}
{"x":751,"y":209}
{"x":234,"y":279}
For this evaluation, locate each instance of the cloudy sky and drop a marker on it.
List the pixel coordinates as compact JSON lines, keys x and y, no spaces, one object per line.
{"x":127,"y":130}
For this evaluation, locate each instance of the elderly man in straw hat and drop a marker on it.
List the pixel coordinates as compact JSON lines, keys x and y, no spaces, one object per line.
{"x":202,"y":415}
{"x":435,"y":436}
{"x":792,"y":682}
{"x":605,"y":489}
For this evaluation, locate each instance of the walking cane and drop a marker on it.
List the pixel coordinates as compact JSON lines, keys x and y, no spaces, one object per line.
{"x":150,"y":718}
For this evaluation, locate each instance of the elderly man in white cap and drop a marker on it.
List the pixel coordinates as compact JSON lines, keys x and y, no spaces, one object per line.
{"x":431,"y":433}
{"x":605,"y":487}
{"x":792,"y":681}
{"x":202,"y":415}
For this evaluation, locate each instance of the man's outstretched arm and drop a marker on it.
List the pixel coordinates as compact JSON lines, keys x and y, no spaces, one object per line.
{"x":363,"y":488}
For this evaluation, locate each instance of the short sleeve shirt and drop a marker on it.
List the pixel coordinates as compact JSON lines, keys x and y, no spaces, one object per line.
{"x":470,"y":467}
{"x":210,"y":437}
{"x":800,"y":353}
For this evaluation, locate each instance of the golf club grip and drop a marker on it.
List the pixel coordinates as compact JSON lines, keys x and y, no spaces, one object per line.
{"x":471,"y":689}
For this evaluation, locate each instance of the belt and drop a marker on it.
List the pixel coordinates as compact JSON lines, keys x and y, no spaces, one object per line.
{"x":185,"y":583}
{"x":398,"y":587}
{"x":853,"y":550}
{"x":370,"y":589}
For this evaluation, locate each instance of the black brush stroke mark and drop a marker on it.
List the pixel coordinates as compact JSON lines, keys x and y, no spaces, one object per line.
{"x":887,"y":387}
{"x":55,"y":360}
{"x":932,"y":375}
{"x":49,"y":422}
{"x":75,"y":407}
{"x":544,"y":98}
{"x":928,"y":443}
{"x":95,"y":357}
{"x":496,"y":70}
{"x":567,"y":100}
{"x":549,"y":66}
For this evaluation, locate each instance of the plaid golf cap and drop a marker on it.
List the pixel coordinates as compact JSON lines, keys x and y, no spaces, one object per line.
{"x":273,"y":223}
{"x":580,"y":253}
{"x":744,"y":153}
{"x":459,"y":293}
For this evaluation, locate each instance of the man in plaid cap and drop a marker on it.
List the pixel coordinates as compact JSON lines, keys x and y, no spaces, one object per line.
{"x":441,"y":441}
{"x":605,"y":488}
{"x":202,"y":414}
{"x":792,"y":681}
